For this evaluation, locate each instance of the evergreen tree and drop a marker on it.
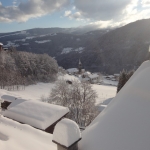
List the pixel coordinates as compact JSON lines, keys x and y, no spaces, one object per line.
{"x":123,"y":78}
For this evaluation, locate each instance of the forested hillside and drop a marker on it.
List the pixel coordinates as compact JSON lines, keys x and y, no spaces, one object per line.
{"x":23,"y":68}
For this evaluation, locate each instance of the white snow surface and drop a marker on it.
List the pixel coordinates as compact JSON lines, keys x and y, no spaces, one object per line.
{"x":69,"y":49}
{"x":41,"y":42}
{"x":37,"y":114}
{"x":16,"y":136}
{"x":34,"y":92}
{"x":66,"y":132}
{"x":124,"y":124}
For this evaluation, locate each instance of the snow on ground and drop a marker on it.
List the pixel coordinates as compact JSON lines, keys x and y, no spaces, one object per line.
{"x":25,"y":44}
{"x":69,"y":49}
{"x":36,"y":91}
{"x":104,"y":92}
{"x":9,"y":43}
{"x":16,"y":136}
{"x":41,"y":42}
{"x":109,"y":82}
{"x":22,"y":32}
{"x":124,"y":124}
{"x":20,"y":40}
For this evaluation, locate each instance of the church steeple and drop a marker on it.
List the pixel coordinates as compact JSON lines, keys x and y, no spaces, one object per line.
{"x":80,"y":66}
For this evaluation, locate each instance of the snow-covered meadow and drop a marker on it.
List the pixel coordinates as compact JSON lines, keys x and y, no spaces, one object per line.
{"x":36,"y":91}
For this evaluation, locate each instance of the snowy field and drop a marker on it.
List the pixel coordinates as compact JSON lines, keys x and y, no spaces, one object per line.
{"x":35,"y":92}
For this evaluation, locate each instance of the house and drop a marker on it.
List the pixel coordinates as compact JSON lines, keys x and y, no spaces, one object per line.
{"x":1,"y":46}
{"x":125,"y":123}
{"x":94,"y":78}
{"x":37,"y":114}
{"x":72,"y":71}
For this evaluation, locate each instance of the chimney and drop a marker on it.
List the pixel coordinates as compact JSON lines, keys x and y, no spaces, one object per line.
{"x":66,"y":135}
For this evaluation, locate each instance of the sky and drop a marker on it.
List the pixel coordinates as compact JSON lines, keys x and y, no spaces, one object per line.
{"x":18,"y":15}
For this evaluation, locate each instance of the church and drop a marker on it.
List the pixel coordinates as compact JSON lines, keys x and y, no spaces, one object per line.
{"x":76,"y":71}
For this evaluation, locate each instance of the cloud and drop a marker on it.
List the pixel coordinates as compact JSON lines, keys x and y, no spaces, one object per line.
{"x":145,"y":3}
{"x":67,"y":13}
{"x":102,"y":10}
{"x":30,"y":9}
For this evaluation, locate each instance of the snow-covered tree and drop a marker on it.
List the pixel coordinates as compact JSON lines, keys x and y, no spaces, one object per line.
{"x":78,"y":97}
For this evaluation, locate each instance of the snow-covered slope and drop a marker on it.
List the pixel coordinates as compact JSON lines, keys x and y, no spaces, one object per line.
{"x":16,"y":136}
{"x":124,"y":124}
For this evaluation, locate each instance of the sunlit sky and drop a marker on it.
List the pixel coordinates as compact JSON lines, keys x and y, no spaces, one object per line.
{"x":25,"y":14}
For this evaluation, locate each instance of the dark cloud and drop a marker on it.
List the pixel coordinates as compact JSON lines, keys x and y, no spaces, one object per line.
{"x":30,"y":9}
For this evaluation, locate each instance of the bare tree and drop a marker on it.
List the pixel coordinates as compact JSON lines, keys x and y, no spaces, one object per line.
{"x":78,"y":97}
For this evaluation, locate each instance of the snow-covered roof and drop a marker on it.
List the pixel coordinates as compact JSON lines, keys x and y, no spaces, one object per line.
{"x":85,"y":79}
{"x":1,"y":44}
{"x":16,"y":136}
{"x":66,"y":133}
{"x":117,"y":75}
{"x":37,"y":114}
{"x":71,"y":70}
{"x":110,"y":76}
{"x":92,"y":76}
{"x":125,"y":123}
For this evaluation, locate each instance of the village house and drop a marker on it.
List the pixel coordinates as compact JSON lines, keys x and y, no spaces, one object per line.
{"x":85,"y":76}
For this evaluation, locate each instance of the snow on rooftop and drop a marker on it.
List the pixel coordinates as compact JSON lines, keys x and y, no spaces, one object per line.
{"x":1,"y":44}
{"x":37,"y":114}
{"x":92,"y":76}
{"x":16,"y":136}
{"x":71,"y":70}
{"x":124,"y":124}
{"x":66,"y":132}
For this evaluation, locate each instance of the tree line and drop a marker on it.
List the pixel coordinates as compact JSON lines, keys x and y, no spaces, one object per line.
{"x":18,"y":69}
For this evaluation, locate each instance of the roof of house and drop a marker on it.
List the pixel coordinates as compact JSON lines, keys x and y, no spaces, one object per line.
{"x":37,"y":114}
{"x":72,"y":70}
{"x":16,"y":136}
{"x":92,"y":76}
{"x":1,"y":44}
{"x":125,"y":123}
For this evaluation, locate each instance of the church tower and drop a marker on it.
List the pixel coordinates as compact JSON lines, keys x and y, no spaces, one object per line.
{"x":80,"y":66}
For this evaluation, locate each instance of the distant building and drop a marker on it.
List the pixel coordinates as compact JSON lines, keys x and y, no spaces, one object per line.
{"x":76,"y":71}
{"x":80,"y":67}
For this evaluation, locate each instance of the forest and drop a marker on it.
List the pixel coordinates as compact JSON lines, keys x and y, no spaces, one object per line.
{"x":18,"y":69}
